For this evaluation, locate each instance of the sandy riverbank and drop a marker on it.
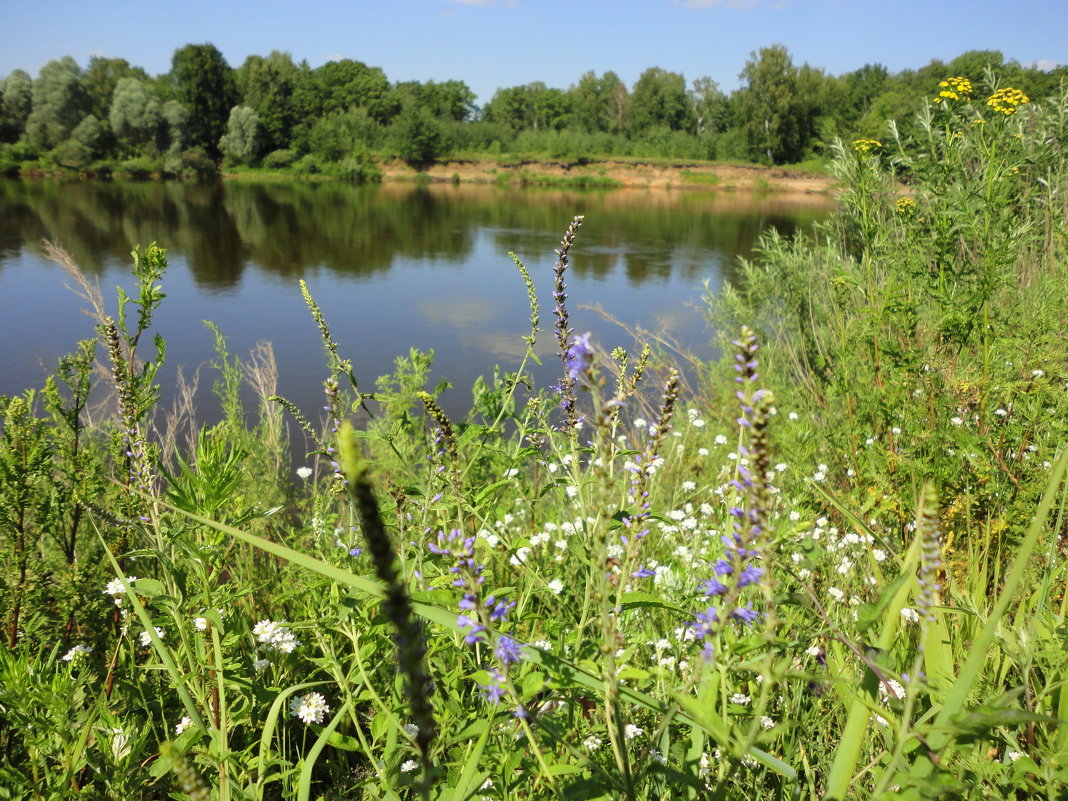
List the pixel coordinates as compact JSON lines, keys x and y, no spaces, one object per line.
{"x":621,"y":173}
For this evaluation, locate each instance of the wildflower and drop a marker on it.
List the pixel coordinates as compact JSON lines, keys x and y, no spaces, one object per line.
{"x":310,"y":707}
{"x":630,"y":731}
{"x":508,"y":650}
{"x":261,"y":664}
{"x":185,"y":723}
{"x":930,"y":552}
{"x":1013,"y":755}
{"x":592,"y":743}
{"x":1007,"y":101}
{"x":956,"y":421}
{"x":866,"y":145}
{"x":556,"y":586}
{"x":766,"y":723}
{"x":276,"y":636}
{"x":579,"y":356}
{"x":740,"y":698}
{"x":200,"y":623}
{"x":304,"y":473}
{"x":910,"y":614}
{"x":958,"y":88}
{"x":905,"y":206}
{"x":146,"y":638}
{"x":720,"y":439}
{"x":76,"y":652}
{"x":494,"y":690}
{"x":409,"y":765}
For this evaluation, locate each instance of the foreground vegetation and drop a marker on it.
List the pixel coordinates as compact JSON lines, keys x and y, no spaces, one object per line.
{"x":835,"y":570}
{"x":345,"y":118}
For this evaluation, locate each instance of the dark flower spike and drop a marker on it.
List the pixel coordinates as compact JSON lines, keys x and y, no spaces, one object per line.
{"x":408,"y":631}
{"x":562,"y":325}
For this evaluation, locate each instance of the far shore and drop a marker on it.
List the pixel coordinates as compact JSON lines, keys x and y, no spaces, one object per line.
{"x":622,"y":173}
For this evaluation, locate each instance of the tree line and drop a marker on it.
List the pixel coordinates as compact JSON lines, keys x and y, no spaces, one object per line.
{"x":338,"y":118}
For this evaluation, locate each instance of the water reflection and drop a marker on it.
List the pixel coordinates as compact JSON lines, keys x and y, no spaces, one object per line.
{"x":393,"y":266}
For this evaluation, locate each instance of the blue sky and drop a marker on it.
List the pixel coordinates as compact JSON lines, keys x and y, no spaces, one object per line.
{"x":494,"y":43}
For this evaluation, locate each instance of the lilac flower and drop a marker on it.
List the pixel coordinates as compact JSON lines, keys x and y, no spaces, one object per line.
{"x":494,"y":691}
{"x":579,"y":356}
{"x":737,"y":570}
{"x":508,"y":650}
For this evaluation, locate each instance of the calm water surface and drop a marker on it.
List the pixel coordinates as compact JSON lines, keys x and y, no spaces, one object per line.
{"x":392,"y":266}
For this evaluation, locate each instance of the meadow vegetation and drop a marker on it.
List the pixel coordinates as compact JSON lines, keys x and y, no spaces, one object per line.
{"x":835,"y":569}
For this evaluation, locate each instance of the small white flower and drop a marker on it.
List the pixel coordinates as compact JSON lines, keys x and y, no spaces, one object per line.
{"x":201,"y":623}
{"x":780,"y":467}
{"x":630,"y":731}
{"x":1038,"y":373}
{"x":791,"y":416}
{"x":836,"y":593}
{"x":571,"y":490}
{"x":795,"y":516}
{"x":304,"y":473}
{"x":698,"y":423}
{"x":766,"y":722}
{"x":114,"y":587}
{"x":185,"y":723}
{"x":720,"y":439}
{"x":956,"y":421}
{"x":556,"y":586}
{"x":409,"y":765}
{"x":511,"y":473}
{"x":896,"y":430}
{"x":878,"y":554}
{"x":410,"y":729}
{"x":1013,"y":755}
{"x":813,"y":651}
{"x":261,"y":664}
{"x":702,"y":451}
{"x":77,"y":651}
{"x":910,"y":614}
{"x":819,"y":475}
{"x":740,"y":698}
{"x":688,"y":486}
{"x":657,"y":756}
{"x":1000,"y":412}
{"x":310,"y":708}
{"x":146,"y":638}
{"x":592,"y":743}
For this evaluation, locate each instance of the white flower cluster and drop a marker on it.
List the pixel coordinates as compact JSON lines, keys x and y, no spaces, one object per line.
{"x":115,"y":589}
{"x":275,"y":636}
{"x":77,"y":651}
{"x":310,"y":708}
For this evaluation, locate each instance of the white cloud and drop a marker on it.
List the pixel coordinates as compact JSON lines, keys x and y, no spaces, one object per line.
{"x":1043,"y":64}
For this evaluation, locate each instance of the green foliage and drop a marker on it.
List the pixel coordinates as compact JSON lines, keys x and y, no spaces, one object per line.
{"x":417,"y":137}
{"x":243,"y":141}
{"x":59,"y":103}
{"x":16,"y":101}
{"x":203,"y":82}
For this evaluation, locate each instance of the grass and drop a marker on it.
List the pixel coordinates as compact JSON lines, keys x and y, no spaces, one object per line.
{"x":836,"y":570}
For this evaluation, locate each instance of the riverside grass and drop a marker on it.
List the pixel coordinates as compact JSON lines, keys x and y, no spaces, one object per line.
{"x":843,"y":577}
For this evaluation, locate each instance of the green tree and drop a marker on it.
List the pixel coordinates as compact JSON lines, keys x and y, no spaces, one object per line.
{"x":451,"y":100}
{"x":136,"y":117}
{"x":766,"y":105}
{"x":86,"y":143}
{"x":59,"y":103}
{"x":102,"y":77}
{"x":16,"y":102}
{"x":417,"y":136}
{"x":204,"y":83}
{"x":243,"y":141}
{"x":345,"y":85}
{"x":268,"y":86}
{"x":710,"y":108}
{"x":659,"y":99}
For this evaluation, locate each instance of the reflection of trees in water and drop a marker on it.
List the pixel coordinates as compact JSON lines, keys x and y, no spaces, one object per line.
{"x":287,"y":228}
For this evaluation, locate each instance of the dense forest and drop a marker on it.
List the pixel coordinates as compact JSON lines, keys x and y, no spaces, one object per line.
{"x":343,"y":116}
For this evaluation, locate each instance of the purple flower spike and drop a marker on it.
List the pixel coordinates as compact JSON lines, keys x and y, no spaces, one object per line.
{"x":579,"y":356}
